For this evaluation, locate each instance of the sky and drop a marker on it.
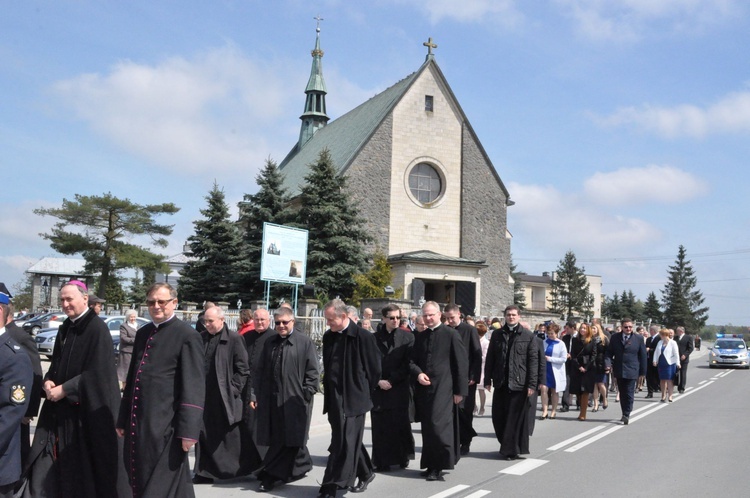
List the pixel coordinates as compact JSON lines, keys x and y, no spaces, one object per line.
{"x":620,"y":127}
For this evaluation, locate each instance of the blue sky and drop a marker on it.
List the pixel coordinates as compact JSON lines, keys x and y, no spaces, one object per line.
{"x":620,"y":127}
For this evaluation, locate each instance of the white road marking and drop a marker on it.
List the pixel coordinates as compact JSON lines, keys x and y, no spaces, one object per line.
{"x":594,"y":439}
{"x":576,"y":438}
{"x":523,"y":466}
{"x":479,"y":494}
{"x":693,"y":391}
{"x":646,"y":414}
{"x":451,"y":491}
{"x":701,"y":382}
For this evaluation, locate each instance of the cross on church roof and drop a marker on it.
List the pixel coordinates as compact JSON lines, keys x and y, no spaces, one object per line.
{"x":430,"y":45}
{"x":318,"y":18}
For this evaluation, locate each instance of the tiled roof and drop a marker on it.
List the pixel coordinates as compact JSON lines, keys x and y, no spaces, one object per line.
{"x":343,"y":137}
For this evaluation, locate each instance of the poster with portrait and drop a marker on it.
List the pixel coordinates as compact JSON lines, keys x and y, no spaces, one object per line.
{"x":284,"y":254}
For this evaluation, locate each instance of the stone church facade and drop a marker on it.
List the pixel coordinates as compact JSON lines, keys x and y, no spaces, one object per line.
{"x":431,"y":198}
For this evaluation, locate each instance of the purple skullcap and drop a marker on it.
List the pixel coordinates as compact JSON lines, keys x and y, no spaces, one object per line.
{"x":79,"y":284}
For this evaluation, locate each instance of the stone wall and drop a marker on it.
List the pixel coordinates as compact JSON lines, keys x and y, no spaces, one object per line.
{"x":484,"y":223}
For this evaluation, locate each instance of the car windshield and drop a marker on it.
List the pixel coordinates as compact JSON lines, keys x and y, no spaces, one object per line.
{"x":724,"y":344}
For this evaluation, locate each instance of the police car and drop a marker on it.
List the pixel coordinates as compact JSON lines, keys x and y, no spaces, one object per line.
{"x":729,"y":350}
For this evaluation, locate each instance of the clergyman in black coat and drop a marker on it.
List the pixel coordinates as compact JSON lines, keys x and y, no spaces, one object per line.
{"x":221,"y":450}
{"x":282,"y":396}
{"x":442,"y":368}
{"x":470,"y":338}
{"x":351,"y":365}
{"x":392,"y":439}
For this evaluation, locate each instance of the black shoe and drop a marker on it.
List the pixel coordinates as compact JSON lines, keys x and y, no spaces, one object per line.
{"x":650,"y":395}
{"x":327,"y":491}
{"x":425,"y":472}
{"x":510,"y":458}
{"x":403,"y":465}
{"x":625,"y":420}
{"x":266,"y":485}
{"x":362,"y":484}
{"x":681,"y":391}
{"x":565,"y":409}
{"x":434,"y":475}
{"x":465,"y":449}
{"x":198,"y":479}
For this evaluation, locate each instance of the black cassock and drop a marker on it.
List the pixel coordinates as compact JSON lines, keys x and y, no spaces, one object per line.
{"x":222,"y":451}
{"x":441,"y":355}
{"x":161,"y":405}
{"x":392,"y":440}
{"x":254,"y":343}
{"x":470,"y":338}
{"x":287,"y":380}
{"x":80,"y":428}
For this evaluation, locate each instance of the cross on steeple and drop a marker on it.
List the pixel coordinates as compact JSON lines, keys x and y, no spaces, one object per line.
{"x":318,"y":18}
{"x":430,"y":45}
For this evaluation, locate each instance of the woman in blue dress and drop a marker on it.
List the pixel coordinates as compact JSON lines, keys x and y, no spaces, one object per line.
{"x":667,"y":360}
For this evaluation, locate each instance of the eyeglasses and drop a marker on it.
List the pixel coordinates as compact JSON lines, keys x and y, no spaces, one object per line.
{"x":283,"y":322}
{"x":391,"y":318}
{"x":159,"y":302}
{"x":628,"y":327}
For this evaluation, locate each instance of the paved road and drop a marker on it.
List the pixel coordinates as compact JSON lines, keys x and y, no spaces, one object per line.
{"x":694,"y":447}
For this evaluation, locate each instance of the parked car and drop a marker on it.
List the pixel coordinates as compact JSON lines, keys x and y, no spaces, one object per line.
{"x":54,"y":320}
{"x":35,"y":324}
{"x":25,"y":317}
{"x":45,"y":339}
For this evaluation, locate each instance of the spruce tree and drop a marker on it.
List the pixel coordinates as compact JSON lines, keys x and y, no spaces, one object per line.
{"x":217,"y":247}
{"x":652,"y":309}
{"x":569,"y":288}
{"x":681,"y":300}
{"x":335,"y":251}
{"x":269,"y":205}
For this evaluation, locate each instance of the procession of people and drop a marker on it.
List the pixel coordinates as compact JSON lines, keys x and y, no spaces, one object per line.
{"x":244,"y":401}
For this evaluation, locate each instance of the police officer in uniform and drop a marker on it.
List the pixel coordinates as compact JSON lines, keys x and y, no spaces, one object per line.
{"x":16,"y":377}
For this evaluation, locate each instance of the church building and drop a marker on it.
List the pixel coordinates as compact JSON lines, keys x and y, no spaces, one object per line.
{"x":443,"y":220}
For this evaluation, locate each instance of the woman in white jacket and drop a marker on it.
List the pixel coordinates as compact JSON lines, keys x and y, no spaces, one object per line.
{"x":667,"y":359}
{"x":556,"y":354}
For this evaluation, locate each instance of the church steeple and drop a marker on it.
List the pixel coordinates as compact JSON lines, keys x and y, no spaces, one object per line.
{"x":314,"y":117}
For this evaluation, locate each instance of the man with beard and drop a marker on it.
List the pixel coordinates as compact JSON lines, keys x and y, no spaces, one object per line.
{"x":75,"y":450}
{"x":162,"y":407}
{"x":442,"y":371}
{"x":512,"y":366}
{"x":351,"y":362}
{"x":219,"y":452}
{"x":392,"y":440}
{"x":470,"y":338}
{"x":282,"y":396}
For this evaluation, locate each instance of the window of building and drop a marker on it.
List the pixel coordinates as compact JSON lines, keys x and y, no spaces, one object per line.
{"x":425,"y":183}
{"x":428,"y":103}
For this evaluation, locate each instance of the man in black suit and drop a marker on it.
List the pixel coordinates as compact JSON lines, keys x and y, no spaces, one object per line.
{"x":626,"y":359}
{"x":470,"y":339}
{"x":652,"y":372}
{"x":685,"y":345}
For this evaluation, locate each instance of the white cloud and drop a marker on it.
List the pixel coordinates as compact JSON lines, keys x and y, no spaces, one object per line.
{"x":731,"y":114}
{"x":22,"y":226}
{"x":17,"y":262}
{"x":653,"y":183}
{"x":630,"y":20}
{"x":208,"y":113}
{"x":501,"y":11}
{"x":545,"y":215}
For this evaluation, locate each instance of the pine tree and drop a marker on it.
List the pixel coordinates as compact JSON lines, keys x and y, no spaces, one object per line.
{"x":680,"y":298}
{"x":217,"y":247}
{"x":652,"y":309}
{"x":372,"y":284}
{"x":614,"y":308}
{"x":268,"y":205}
{"x":569,"y":288}
{"x":519,"y":297}
{"x":335,"y":251}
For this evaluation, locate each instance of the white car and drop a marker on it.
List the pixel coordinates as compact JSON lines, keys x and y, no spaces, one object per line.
{"x":729,"y":350}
